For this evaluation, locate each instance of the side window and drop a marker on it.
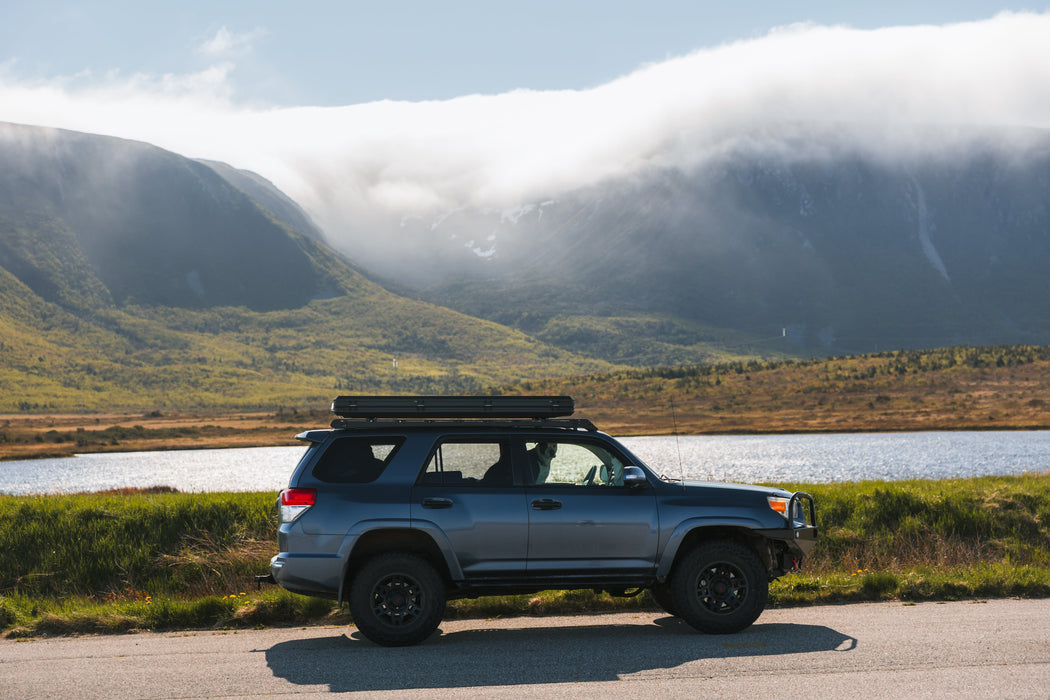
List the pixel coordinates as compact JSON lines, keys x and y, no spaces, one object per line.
{"x":355,"y":460}
{"x":560,"y":463}
{"x":469,"y":462}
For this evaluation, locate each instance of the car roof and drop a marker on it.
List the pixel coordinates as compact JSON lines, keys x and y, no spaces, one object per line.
{"x":509,"y":427}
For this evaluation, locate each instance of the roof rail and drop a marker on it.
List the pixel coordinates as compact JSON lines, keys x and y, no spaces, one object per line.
{"x":376,"y":407}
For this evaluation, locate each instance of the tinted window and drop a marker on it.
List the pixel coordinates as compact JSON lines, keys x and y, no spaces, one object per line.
{"x":355,"y":460}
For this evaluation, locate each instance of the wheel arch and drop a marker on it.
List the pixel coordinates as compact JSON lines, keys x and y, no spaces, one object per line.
{"x":688,"y":536}
{"x":383,"y":540}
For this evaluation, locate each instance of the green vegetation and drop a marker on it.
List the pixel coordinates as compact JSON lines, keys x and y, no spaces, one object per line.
{"x":921,"y":540}
{"x":952,"y":388}
{"x":161,"y":560}
{"x":231,"y":358}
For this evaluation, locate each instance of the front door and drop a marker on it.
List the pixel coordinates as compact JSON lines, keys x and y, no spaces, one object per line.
{"x":582,"y":520}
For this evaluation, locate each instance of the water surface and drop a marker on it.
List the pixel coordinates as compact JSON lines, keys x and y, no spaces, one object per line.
{"x":751,"y":458}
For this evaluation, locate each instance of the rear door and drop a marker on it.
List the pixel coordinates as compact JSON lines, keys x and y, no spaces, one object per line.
{"x":467,"y":491}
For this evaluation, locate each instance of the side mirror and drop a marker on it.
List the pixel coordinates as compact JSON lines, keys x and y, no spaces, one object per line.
{"x":634,"y":477}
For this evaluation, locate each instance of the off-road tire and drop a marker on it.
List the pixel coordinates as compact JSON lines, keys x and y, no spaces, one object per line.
{"x":720,"y":587}
{"x":397,"y":599}
{"x":664,"y":597}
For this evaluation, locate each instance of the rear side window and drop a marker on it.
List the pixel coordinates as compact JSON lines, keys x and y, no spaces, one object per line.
{"x":477,"y":462}
{"x":355,"y":460}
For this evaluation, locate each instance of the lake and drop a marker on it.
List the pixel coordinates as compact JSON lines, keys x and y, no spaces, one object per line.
{"x":741,"y":458}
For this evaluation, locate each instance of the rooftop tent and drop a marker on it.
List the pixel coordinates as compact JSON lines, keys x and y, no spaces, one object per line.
{"x":375,"y":407}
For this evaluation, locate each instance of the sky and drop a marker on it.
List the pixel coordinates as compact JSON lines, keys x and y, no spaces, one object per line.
{"x":342,"y":52}
{"x":415,"y":107}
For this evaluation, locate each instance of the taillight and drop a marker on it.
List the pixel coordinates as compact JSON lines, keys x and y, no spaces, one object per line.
{"x":295,"y":502}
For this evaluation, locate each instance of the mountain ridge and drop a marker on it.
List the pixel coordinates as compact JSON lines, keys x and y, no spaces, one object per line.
{"x":132,"y":276}
{"x":195,"y":273}
{"x":852,"y":252}
{"x":145,"y":224}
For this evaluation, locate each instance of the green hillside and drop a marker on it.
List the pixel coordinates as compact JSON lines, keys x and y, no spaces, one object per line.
{"x":232,"y":357}
{"x":134,"y":278}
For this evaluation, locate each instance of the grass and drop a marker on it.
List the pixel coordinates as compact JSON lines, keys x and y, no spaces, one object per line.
{"x":958,"y":388}
{"x":30,"y":436}
{"x":53,"y":360}
{"x":955,"y":388}
{"x":121,"y":561}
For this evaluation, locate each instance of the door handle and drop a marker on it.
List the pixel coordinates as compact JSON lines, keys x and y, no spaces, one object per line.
{"x":546,"y":504}
{"x":437,"y":502}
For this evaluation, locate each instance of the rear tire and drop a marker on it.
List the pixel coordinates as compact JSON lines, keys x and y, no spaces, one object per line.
{"x":720,"y":587}
{"x":397,"y":599}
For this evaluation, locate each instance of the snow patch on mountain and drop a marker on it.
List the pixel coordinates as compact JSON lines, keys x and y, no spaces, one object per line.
{"x":514,"y":214}
{"x":481,"y":252}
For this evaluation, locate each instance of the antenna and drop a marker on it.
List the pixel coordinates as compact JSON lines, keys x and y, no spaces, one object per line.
{"x":677,"y":444}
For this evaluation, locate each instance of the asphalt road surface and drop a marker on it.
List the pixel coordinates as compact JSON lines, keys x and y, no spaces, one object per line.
{"x":993,"y":649}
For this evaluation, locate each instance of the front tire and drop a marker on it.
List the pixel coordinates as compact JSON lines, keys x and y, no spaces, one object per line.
{"x":720,"y":587}
{"x":397,"y":599}
{"x":664,"y":597}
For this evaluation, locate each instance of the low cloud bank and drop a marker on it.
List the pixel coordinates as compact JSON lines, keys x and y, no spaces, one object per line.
{"x":357,"y":165}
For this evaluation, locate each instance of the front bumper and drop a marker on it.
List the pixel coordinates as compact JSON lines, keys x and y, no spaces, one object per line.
{"x":797,"y":540}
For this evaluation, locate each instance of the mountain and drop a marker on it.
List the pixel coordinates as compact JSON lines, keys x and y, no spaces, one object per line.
{"x":807,"y":241}
{"x":272,"y":200}
{"x":90,"y":220}
{"x":128,"y":272}
{"x":132,"y":276}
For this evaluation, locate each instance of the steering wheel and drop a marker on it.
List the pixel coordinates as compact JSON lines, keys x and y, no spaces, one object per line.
{"x":589,"y":479}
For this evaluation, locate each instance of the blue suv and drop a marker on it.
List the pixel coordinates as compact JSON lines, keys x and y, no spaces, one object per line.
{"x":409,"y":501}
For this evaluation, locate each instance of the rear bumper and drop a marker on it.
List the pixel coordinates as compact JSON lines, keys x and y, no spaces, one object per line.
{"x":316,"y":575}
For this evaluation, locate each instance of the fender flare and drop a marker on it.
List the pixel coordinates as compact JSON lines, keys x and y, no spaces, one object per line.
{"x":686,"y":527}
{"x":364,"y":527}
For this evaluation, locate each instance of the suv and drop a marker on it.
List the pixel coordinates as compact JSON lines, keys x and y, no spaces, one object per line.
{"x":409,"y":501}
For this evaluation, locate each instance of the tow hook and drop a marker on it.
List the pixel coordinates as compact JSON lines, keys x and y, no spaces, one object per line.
{"x":791,"y":564}
{"x":260,"y":580}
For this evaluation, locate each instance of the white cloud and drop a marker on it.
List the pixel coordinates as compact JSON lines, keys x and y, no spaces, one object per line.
{"x":226,"y":42}
{"x":350,"y":164}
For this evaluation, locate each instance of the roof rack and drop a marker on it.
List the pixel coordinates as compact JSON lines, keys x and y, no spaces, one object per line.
{"x":463,"y":407}
{"x":474,"y":423}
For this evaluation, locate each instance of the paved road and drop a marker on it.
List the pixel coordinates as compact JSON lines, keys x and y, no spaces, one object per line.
{"x":999,"y":649}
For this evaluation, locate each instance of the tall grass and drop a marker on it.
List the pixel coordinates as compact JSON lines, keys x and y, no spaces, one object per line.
{"x":159,"y":559}
{"x":106,"y":545}
{"x":948,"y":523}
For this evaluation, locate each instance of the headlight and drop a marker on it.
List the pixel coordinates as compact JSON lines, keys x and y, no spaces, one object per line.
{"x":779,"y":504}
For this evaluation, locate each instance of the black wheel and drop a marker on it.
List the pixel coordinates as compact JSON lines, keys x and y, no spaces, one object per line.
{"x":397,"y":599}
{"x":661,"y":593}
{"x":720,"y":587}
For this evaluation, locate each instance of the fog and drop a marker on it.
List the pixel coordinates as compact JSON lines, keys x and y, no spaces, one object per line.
{"x":358,"y":168}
